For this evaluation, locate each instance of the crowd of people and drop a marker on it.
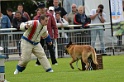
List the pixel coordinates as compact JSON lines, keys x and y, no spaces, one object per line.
{"x":55,"y":17}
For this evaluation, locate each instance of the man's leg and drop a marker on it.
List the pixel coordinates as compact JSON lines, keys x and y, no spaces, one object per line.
{"x":52,"y":54}
{"x":101,"y":38}
{"x":26,"y":49}
{"x":38,"y":51}
{"x":93,"y":38}
{"x":42,"y":43}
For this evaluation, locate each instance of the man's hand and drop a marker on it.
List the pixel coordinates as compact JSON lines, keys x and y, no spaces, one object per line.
{"x":61,"y":25}
{"x":28,"y":25}
{"x":50,"y":43}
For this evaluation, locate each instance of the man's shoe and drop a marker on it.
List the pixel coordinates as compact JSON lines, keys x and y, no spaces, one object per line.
{"x":51,"y":70}
{"x":55,"y":64}
{"x":37,"y":64}
{"x":16,"y":72}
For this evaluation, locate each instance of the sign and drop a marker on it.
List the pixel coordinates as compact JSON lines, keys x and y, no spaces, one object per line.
{"x":116,"y":10}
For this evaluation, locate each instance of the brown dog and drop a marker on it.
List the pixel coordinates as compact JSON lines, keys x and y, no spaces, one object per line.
{"x":81,"y":51}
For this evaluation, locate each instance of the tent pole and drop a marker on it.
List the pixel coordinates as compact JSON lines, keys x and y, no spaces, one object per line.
{"x":111,"y":26}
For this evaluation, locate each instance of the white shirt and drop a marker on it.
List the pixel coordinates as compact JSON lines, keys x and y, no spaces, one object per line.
{"x":96,"y":20}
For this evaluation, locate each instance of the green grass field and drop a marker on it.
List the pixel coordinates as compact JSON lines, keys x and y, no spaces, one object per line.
{"x":113,"y":71}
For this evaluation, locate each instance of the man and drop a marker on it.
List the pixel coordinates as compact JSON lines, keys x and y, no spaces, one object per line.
{"x":10,"y":14}
{"x":98,"y":16}
{"x":52,"y":30}
{"x":67,"y":4}
{"x":51,"y":10}
{"x":35,"y":30}
{"x":17,"y":20}
{"x":24,"y":14}
{"x":72,"y":14}
{"x":60,"y":9}
{"x":4,"y":23}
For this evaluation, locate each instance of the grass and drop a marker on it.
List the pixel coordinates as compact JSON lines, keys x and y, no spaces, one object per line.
{"x":113,"y":71}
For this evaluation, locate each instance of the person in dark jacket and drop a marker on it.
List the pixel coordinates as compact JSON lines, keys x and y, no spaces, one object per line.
{"x":17,"y":20}
{"x":80,"y":18}
{"x":52,"y":30}
{"x":10,"y":14}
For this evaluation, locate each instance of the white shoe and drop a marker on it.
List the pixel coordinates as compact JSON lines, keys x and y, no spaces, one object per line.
{"x":51,"y":70}
{"x":55,"y":64}
{"x":6,"y":80}
{"x":16,"y":72}
{"x":37,"y":64}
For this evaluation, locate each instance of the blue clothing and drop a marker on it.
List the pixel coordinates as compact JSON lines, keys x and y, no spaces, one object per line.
{"x":94,"y":33}
{"x":5,"y":22}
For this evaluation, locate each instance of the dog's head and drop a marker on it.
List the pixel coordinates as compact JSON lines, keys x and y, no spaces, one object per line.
{"x":67,"y":47}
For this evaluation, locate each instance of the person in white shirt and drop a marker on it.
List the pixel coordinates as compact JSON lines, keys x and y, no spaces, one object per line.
{"x":60,"y":22}
{"x":98,"y":16}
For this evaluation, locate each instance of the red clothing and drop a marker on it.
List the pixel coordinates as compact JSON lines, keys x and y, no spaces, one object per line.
{"x":51,"y":26}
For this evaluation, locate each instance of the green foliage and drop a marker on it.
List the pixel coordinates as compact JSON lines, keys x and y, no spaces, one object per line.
{"x":119,"y":28}
{"x":113,"y":71}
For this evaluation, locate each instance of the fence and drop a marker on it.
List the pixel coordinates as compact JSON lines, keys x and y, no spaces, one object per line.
{"x":9,"y":41}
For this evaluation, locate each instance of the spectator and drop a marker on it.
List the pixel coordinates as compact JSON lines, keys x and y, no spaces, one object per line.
{"x":24,"y":14}
{"x":98,"y":16}
{"x":51,"y":10}
{"x":37,"y":14}
{"x":72,"y":14}
{"x":30,"y":43}
{"x":17,"y":20}
{"x":81,"y":19}
{"x":59,"y":9}
{"x":10,"y":14}
{"x":61,"y":24}
{"x":52,"y":30}
{"x":4,"y":23}
{"x":67,"y":4}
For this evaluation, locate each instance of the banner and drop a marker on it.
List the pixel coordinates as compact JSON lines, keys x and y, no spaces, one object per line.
{"x":116,"y":10}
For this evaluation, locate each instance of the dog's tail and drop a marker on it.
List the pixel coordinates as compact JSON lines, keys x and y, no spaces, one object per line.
{"x":94,"y":57}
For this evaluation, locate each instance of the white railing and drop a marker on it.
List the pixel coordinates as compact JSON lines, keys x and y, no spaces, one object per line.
{"x":72,"y":30}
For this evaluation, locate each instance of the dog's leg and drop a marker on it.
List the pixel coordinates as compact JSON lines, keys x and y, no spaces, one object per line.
{"x":72,"y":61}
{"x":85,"y":60}
{"x":77,"y":65}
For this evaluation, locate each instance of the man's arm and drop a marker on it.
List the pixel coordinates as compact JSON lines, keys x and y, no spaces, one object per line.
{"x":55,"y":29}
{"x":9,"y":23}
{"x":47,"y":37}
{"x":102,"y":18}
{"x":93,"y":14}
{"x":25,"y":25}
